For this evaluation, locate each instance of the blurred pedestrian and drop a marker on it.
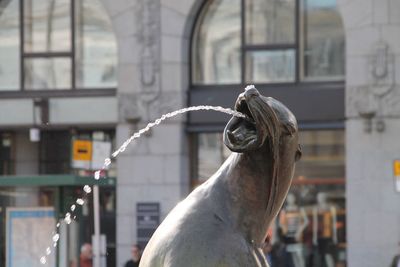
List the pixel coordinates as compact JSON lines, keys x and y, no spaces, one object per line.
{"x":396,"y":260}
{"x":136,"y":253}
{"x":279,"y":255}
{"x":85,"y":259}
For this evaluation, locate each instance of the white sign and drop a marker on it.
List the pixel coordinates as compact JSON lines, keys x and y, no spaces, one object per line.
{"x":28,"y":235}
{"x":34,"y":134}
{"x":100,"y":151}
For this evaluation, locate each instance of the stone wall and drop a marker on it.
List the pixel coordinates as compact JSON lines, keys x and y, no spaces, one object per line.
{"x":153,"y":75}
{"x":372,"y":129}
{"x":153,"y":55}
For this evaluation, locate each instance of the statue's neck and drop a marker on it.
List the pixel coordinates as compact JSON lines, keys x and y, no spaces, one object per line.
{"x":249,"y":182}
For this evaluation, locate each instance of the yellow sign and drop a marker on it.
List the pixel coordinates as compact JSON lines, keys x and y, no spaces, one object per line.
{"x":82,"y":150}
{"x":396,"y":167}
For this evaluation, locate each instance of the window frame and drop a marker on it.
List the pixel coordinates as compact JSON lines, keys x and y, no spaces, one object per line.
{"x":297,"y":46}
{"x":73,"y":90}
{"x":193,"y":140}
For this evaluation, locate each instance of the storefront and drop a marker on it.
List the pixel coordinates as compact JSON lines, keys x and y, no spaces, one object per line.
{"x":31,"y":207}
{"x":292,"y":51}
{"x":40,"y":180}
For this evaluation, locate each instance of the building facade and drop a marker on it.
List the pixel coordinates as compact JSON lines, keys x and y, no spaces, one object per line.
{"x":58,"y":83}
{"x":333,"y":63}
{"x":204,"y":53}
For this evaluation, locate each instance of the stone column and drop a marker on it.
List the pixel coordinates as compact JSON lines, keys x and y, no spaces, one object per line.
{"x":372,"y":129}
{"x":153,"y":50}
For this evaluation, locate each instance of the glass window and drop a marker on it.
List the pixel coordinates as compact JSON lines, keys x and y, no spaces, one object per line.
{"x":96,"y":51}
{"x":311,"y":227}
{"x":270,"y":21}
{"x":47,"y":73}
{"x":270,"y":66}
{"x":56,"y":155}
{"x":9,"y":45}
{"x":54,"y":152}
{"x":47,"y":25}
{"x":66,"y":44}
{"x":211,"y":154}
{"x":7,"y":160}
{"x":216,"y":44}
{"x":323,"y":158}
{"x":323,"y":40}
{"x":323,"y":155}
{"x":268,"y":41}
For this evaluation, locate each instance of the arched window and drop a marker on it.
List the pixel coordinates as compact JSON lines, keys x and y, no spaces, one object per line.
{"x":267,"y":41}
{"x":56,"y":44}
{"x":297,"y":46}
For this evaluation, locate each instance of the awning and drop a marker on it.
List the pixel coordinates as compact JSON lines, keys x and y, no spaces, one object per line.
{"x":55,"y":180}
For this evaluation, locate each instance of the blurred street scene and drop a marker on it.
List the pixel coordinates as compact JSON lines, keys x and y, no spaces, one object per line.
{"x":79,"y":77}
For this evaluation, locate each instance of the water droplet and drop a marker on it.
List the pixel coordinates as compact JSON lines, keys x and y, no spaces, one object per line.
{"x":43,"y":260}
{"x":58,"y":225}
{"x":73,"y":207}
{"x":67,"y":218}
{"x":87,"y":189}
{"x":107,"y":162}
{"x":48,"y":251}
{"x":80,"y":201}
{"x":97,"y":175}
{"x":56,"y":237}
{"x":55,"y":244}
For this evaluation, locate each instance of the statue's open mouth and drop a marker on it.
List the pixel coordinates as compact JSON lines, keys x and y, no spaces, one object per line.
{"x":241,"y":133}
{"x":242,"y":106}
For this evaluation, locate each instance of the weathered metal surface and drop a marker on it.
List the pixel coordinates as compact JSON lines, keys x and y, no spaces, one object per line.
{"x":224,"y":221}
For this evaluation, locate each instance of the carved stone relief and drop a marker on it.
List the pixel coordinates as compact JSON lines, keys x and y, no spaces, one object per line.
{"x":128,"y":106}
{"x":370,"y":101}
{"x":381,"y":70}
{"x":133,"y":110}
{"x":148,"y":18}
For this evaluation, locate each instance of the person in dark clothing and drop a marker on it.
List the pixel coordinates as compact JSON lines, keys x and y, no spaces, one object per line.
{"x":396,"y":260}
{"x":136,"y":254}
{"x":279,"y":256}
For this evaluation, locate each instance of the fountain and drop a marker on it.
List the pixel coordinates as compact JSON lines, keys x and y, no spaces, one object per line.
{"x":224,"y":221}
{"x":70,"y":216}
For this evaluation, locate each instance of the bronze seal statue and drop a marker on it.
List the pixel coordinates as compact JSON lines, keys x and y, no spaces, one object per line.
{"x":224,"y":222}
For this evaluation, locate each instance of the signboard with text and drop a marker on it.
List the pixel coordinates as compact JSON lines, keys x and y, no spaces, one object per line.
{"x":28,"y":234}
{"x":81,"y":154}
{"x":396,"y":172}
{"x":147,"y":221}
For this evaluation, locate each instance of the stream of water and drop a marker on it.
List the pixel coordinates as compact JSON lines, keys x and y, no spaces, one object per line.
{"x":70,"y":216}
